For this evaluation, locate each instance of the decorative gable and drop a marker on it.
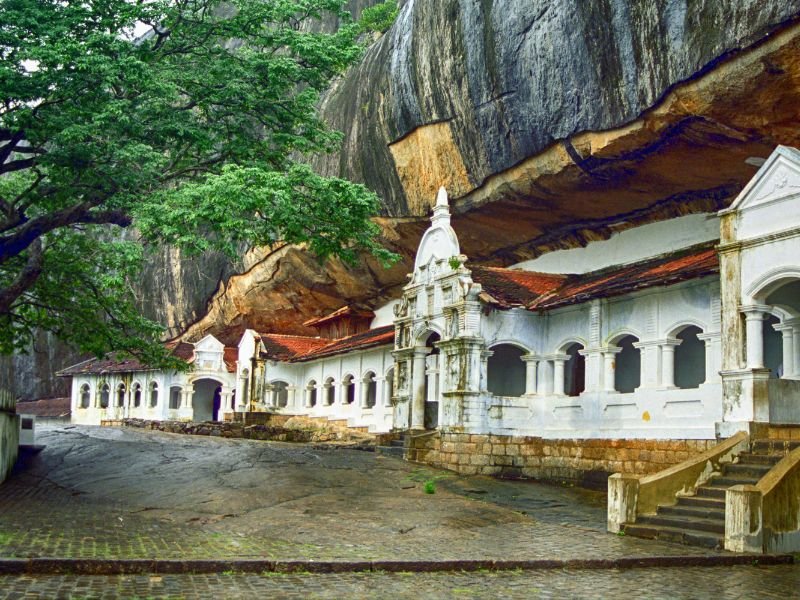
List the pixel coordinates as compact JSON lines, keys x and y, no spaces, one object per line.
{"x":771,"y":199}
{"x":208,"y":354}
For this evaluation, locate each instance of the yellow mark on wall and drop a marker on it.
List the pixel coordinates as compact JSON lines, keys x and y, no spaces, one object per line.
{"x":645,"y":416}
{"x":426,"y":159}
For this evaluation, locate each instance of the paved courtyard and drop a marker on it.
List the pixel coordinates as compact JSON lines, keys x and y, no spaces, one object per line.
{"x":103,"y":493}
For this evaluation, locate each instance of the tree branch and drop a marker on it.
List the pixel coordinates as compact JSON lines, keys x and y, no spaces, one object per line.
{"x":16,"y":243}
{"x":25,"y":279}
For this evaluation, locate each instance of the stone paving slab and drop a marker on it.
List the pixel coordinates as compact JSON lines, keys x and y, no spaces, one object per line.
{"x":724,"y":583}
{"x":107,"y":493}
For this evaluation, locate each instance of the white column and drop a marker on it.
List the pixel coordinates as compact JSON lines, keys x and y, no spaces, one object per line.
{"x":593,"y":363}
{"x":795,"y":323}
{"x":787,"y":337}
{"x":309,"y":391}
{"x":418,"y":389}
{"x":754,"y":316}
{"x":431,"y":374}
{"x":609,"y":367}
{"x":559,"y":361}
{"x":668,"y":363}
{"x":380,"y":389}
{"x":186,"y":396}
{"x":531,"y":370}
{"x":364,"y":393}
{"x":484,"y":375}
{"x":712,"y":345}
{"x":291,"y":397}
{"x":649,"y":363}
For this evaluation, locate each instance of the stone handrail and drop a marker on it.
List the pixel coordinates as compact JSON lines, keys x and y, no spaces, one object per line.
{"x":766,"y":517}
{"x":630,"y":495}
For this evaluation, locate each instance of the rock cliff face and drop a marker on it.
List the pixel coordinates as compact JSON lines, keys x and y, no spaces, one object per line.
{"x":552,"y":123}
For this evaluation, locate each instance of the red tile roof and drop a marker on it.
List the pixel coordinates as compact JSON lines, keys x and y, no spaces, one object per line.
{"x":512,"y":287}
{"x":111,"y":364}
{"x":46,"y":407}
{"x":230,"y":356}
{"x":379,"y":336}
{"x":345,"y":311}
{"x":288,"y":347}
{"x":664,"y":270}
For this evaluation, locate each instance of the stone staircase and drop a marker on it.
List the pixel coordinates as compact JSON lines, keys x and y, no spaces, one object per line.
{"x":395,"y":448}
{"x":699,"y":519}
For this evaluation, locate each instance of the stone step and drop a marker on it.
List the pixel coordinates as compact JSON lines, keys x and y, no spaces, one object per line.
{"x":774,"y":446}
{"x":716,"y":526}
{"x":397,"y":443}
{"x":708,"y":491}
{"x":748,"y":470}
{"x":705,"y":539}
{"x":711,"y":503}
{"x":728,"y":481}
{"x":696,"y":512}
{"x":759,"y":459}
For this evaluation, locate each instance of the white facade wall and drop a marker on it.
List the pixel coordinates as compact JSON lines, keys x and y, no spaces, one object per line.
{"x":299,"y":375}
{"x":655,"y":409}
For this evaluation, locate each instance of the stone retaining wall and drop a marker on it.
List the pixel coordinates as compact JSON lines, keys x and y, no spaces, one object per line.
{"x":588,"y":461}
{"x":276,"y":433}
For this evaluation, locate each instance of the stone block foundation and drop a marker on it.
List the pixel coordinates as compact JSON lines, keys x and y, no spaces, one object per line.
{"x":587,"y":461}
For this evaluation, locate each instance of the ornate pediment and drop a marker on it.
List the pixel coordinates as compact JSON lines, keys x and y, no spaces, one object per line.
{"x":777,"y":179}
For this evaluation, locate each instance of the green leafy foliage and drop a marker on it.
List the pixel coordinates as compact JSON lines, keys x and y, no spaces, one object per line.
{"x":194,"y":134}
{"x":379,"y":17}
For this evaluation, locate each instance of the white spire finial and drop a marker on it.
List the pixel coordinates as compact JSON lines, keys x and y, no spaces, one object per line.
{"x":441,"y":197}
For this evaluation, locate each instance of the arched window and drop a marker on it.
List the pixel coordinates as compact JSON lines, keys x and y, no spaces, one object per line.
{"x":628,"y":372}
{"x":773,"y":347}
{"x":690,"y":359}
{"x":86,"y":395}
{"x":371,"y":389}
{"x":105,"y":392}
{"x":574,"y":371}
{"x":311,"y":390}
{"x":121,"y":394}
{"x":137,"y":395}
{"x":174,"y":397}
{"x":280,"y":394}
{"x":330,"y":392}
{"x":506,"y":371}
{"x":349,"y":390}
{"x":153,"y":394}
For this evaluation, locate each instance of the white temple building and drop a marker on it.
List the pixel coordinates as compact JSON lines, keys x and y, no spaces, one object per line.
{"x":683,"y":329}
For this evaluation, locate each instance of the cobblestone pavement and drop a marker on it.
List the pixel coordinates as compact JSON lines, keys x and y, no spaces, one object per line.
{"x":722,"y":583}
{"x":123,"y":493}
